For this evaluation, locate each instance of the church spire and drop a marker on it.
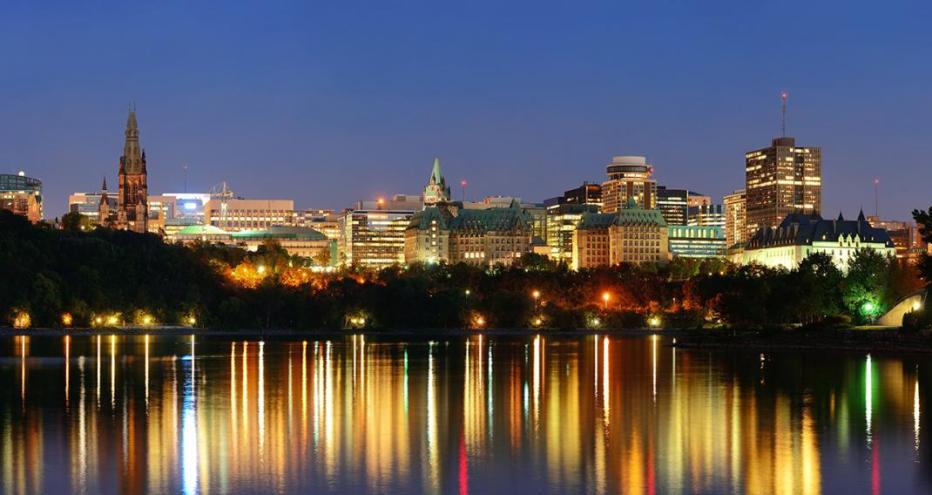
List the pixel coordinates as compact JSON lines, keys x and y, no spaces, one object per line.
{"x":103,"y":186}
{"x":133,"y":159}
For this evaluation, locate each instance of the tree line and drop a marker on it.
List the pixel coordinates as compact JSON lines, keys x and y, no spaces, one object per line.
{"x":86,"y":274}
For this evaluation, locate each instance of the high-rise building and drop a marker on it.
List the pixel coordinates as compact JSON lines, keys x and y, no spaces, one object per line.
{"x":735,"y":206}
{"x":629,"y":177}
{"x":780,"y":180}
{"x":132,"y":201}
{"x":586,"y":194}
{"x":673,"y":205}
{"x":22,"y":195}
{"x":373,"y":238}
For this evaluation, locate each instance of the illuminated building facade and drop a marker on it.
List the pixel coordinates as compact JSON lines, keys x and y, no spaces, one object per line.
{"x":298,"y":241}
{"x":562,"y":220}
{"x":707,"y":215}
{"x":630,"y":235}
{"x":673,"y":205}
{"x":735,"y":206}
{"x":905,"y":237}
{"x":475,"y":236}
{"x":238,"y":214}
{"x":696,"y":241}
{"x":782,"y":179}
{"x":586,"y":194}
{"x":800,"y":235}
{"x":22,"y":195}
{"x":629,"y":177}
{"x":373,"y":238}
{"x":326,"y":222}
{"x":132,"y":199}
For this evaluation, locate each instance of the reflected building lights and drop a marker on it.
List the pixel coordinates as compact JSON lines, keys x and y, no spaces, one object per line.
{"x":189,"y":447}
{"x":147,"y":372}
{"x":868,"y":399}
{"x":916,"y":416}
{"x":112,"y":371}
{"x":261,"y":401}
{"x":67,"y":367}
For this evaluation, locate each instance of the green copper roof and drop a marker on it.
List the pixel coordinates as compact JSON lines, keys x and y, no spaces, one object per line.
{"x":596,"y":220}
{"x":435,"y":172}
{"x":281,"y":232}
{"x":492,"y":219}
{"x":638,"y":216}
{"x":626,"y":216}
{"x":422,"y":219}
{"x":202,"y":230}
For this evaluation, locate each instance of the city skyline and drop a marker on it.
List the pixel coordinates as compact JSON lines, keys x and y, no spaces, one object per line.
{"x":228,"y":102}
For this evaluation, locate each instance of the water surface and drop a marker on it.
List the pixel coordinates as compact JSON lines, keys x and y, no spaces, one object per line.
{"x":542,"y":414}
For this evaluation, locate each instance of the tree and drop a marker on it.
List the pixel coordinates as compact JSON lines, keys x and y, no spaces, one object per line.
{"x":924,"y":222}
{"x":75,"y":222}
{"x":866,"y":292}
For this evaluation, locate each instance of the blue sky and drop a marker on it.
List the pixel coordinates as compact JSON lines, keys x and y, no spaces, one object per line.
{"x":331,"y":102}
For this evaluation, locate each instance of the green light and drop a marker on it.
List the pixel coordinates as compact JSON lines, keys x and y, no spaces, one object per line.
{"x":868,"y":307}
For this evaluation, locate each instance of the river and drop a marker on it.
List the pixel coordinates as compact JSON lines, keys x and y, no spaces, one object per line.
{"x":538,"y":414}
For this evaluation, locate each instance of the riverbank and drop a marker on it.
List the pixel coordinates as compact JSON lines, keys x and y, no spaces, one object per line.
{"x":327,"y":333}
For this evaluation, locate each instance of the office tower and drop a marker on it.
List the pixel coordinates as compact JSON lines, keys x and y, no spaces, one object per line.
{"x":673,"y":205}
{"x":628,"y":177}
{"x":735,"y":205}
{"x":780,"y":180}
{"x":707,"y":215}
{"x":586,"y":194}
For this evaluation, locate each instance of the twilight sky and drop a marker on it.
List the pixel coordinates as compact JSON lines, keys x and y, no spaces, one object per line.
{"x":331,"y":102}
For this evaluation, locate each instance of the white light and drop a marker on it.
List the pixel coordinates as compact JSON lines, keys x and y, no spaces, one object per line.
{"x":190,"y":206}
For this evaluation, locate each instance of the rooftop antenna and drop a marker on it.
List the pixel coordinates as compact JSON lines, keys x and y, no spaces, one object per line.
{"x":784,"y":95}
{"x":463,"y":184}
{"x":184,"y":166}
{"x":876,"y":199}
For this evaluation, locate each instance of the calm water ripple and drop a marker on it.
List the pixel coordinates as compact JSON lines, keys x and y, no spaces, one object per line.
{"x":544,"y":414}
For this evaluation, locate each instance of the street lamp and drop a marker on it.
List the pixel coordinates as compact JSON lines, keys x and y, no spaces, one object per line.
{"x":605,"y":297}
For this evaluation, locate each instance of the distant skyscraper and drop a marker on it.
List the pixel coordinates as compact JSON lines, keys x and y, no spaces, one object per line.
{"x":133,"y":206}
{"x":629,"y":177}
{"x":436,"y":191}
{"x":586,"y":194}
{"x":782,"y":179}
{"x":735,"y":205}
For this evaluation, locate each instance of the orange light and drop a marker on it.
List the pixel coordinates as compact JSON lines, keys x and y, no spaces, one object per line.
{"x":536,"y":294}
{"x":66,"y":319}
{"x":606,"y":296}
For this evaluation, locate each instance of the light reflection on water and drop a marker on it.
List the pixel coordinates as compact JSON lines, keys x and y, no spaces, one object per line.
{"x":587,"y":414}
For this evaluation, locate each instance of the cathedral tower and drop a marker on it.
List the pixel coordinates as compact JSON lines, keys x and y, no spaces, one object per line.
{"x":133,"y":206}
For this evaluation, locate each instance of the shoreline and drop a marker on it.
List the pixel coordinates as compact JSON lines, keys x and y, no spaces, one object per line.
{"x":854,"y":339}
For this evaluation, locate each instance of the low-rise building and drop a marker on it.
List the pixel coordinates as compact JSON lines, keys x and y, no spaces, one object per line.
{"x":237,"y":214}
{"x":22,"y":195}
{"x":800,"y":235}
{"x":298,"y":241}
{"x":691,"y":241}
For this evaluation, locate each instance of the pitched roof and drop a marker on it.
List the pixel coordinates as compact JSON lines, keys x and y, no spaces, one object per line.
{"x":802,"y":229}
{"x":624,"y":217}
